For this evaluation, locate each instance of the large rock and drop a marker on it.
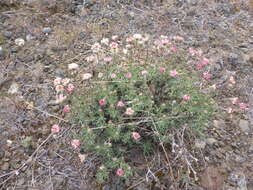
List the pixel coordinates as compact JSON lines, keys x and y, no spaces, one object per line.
{"x":244,"y":125}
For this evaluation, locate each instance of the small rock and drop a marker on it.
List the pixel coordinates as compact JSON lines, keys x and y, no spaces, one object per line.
{"x":240,"y":159}
{"x":7,"y":34}
{"x":21,"y":181}
{"x":1,"y":154}
{"x":1,"y":52}
{"x":211,"y":178}
{"x":14,"y":50}
{"x":13,"y":88}
{"x":211,"y":141}
{"x":200,"y":144}
{"x":141,"y":187}
{"x":47,"y":30}
{"x":244,"y":125}
{"x":5,"y":166}
{"x":82,"y":34}
{"x":219,"y":123}
{"x":20,"y":42}
{"x":106,"y":187}
{"x":29,"y":37}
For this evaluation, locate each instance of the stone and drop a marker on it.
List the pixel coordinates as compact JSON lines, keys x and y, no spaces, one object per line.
{"x":200,"y":144}
{"x":211,"y":178}
{"x":29,"y":37}
{"x":240,"y":159}
{"x":13,"y":88}
{"x":219,"y":123}
{"x":7,"y":34}
{"x":20,"y":42}
{"x":211,"y":141}
{"x":244,"y":125}
{"x":5,"y":166}
{"x":1,"y":52}
{"x":14,"y":50}
{"x":47,"y":30}
{"x":1,"y":154}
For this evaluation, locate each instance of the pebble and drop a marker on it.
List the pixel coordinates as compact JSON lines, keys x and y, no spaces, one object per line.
{"x":14,"y":50}
{"x":5,"y":166}
{"x":29,"y":37}
{"x":211,"y":141}
{"x":47,"y":30}
{"x":244,"y":125}
{"x":200,"y":144}
{"x":20,"y":42}
{"x":1,"y":153}
{"x":13,"y":88}
{"x":1,"y":51}
{"x":219,"y":123}
{"x":7,"y":34}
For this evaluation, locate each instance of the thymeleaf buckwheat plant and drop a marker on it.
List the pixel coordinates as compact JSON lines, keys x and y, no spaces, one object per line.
{"x":142,"y":92}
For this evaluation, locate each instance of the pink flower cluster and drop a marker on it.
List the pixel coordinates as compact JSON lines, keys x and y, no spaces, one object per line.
{"x":61,"y":85}
{"x":194,"y":52}
{"x":243,"y":106}
{"x":75,"y":143}
{"x":204,"y":62}
{"x":136,"y":135}
{"x":55,"y":129}
{"x":120,"y":172}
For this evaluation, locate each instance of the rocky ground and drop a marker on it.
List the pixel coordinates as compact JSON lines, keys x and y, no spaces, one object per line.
{"x":38,"y":39}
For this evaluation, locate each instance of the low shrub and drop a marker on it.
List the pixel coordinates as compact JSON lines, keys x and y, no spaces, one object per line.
{"x":138,"y":99}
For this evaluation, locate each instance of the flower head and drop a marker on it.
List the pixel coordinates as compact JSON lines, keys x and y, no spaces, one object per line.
{"x":137,"y":36}
{"x":186,"y":97}
{"x":114,"y":45}
{"x":129,"y":75}
{"x":207,"y":75}
{"x":129,"y":111}
{"x":205,"y":62}
{"x":102,"y":102}
{"x":100,"y":75}
{"x":72,"y":66}
{"x":96,"y":47}
{"x":90,"y":58}
{"x":75,"y":143}
{"x":70,"y":88}
{"x":59,"y":88}
{"x":105,"y":41}
{"x":244,"y":106}
{"x":113,"y":75}
{"x":234,"y":100}
{"x":120,"y":172}
{"x":87,"y":76}
{"x":115,"y":37}
{"x":144,"y":72}
{"x":120,"y":104}
{"x":173,"y":49}
{"x":107,"y":59}
{"x":178,"y":38}
{"x":129,"y":39}
{"x":55,"y":129}
{"x":230,"y":110}
{"x":162,"y":69}
{"x":65,"y":81}
{"x":60,"y":98}
{"x":232,"y":80}
{"x":66,"y":109}
{"x":194,"y":52}
{"x":135,"y":135}
{"x":173,"y":73}
{"x":57,"y":81}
